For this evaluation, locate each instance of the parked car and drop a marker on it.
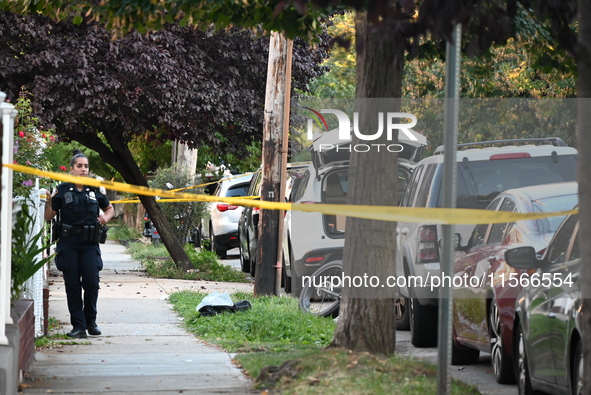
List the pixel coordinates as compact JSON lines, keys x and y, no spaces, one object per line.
{"x":484,"y":301}
{"x":221,"y":226}
{"x":248,"y":224}
{"x":484,"y":169}
{"x":548,"y":336}
{"x":150,"y":230}
{"x":312,"y":239}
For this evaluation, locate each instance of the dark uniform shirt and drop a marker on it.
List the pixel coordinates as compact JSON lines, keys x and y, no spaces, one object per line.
{"x":78,"y":207}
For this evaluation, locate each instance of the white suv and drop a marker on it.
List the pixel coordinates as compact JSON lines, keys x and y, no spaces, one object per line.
{"x":221,"y":228}
{"x":311,"y":240}
{"x":483,"y":171}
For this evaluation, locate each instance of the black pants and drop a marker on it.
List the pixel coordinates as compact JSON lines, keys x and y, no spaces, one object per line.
{"x":80,"y":263}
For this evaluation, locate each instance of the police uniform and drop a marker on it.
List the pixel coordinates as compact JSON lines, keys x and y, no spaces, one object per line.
{"x":78,"y":253}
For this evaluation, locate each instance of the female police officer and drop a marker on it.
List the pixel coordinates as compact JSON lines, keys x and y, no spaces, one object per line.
{"x":79,"y":229}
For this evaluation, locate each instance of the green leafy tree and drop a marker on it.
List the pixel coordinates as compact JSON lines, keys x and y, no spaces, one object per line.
{"x":201,"y":87}
{"x":184,"y":215}
{"x":339,"y":80}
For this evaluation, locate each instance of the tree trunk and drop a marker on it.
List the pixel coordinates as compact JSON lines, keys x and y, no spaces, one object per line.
{"x":120,"y":157}
{"x":367,"y":319}
{"x":186,"y":158}
{"x":583,"y":55}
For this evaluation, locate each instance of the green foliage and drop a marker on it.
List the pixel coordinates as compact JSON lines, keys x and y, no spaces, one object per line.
{"x":60,"y":154}
{"x":340,"y":79}
{"x":26,"y":250}
{"x":339,"y":371}
{"x":32,"y":143}
{"x":183,"y":216}
{"x":122,"y":232}
{"x":122,"y":17}
{"x":273,"y":324}
{"x":249,"y":160}
{"x":151,"y":154}
{"x":206,"y":266}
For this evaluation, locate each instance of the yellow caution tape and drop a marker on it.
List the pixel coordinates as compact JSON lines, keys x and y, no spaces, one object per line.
{"x":213,"y":182}
{"x":381,"y":213}
{"x":136,"y":200}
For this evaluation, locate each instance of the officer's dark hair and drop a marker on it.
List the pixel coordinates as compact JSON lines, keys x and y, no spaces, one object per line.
{"x":77,"y":154}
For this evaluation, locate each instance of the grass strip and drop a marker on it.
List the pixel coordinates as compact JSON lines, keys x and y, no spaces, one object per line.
{"x":286,"y":351}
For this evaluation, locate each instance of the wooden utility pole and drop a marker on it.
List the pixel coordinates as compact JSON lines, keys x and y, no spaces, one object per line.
{"x":273,"y":137}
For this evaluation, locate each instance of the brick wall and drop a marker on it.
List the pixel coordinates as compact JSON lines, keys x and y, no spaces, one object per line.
{"x":23,"y":315}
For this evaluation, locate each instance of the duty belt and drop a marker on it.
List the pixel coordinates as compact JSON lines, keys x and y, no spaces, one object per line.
{"x":95,"y":233}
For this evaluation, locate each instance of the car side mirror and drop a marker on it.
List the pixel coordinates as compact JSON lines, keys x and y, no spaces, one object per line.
{"x":522,"y":258}
{"x":458,"y":243}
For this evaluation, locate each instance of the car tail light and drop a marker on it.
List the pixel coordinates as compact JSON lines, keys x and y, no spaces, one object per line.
{"x":515,"y":155}
{"x":428,"y":250}
{"x":314,"y":259}
{"x":257,"y":209}
{"x":225,"y":207}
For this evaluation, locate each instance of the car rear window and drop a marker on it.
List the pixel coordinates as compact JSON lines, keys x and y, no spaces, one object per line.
{"x":237,"y":190}
{"x":553,"y":204}
{"x":479,"y":182}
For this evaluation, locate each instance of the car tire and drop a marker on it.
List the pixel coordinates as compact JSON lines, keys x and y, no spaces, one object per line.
{"x":522,"y":369}
{"x":502,"y":364}
{"x":286,"y":278}
{"x":196,"y":238}
{"x":244,"y":263}
{"x":423,"y":324}
{"x":214,"y":247}
{"x":577,"y":370}
{"x":253,"y":265}
{"x":402,"y":314}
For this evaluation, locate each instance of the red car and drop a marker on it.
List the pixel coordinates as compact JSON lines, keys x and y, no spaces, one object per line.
{"x":486,"y":290}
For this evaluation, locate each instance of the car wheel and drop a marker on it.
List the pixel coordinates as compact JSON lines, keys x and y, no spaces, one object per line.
{"x":244,"y":263}
{"x":213,"y":247}
{"x":423,"y":324}
{"x":523,"y":378}
{"x":577,"y":370}
{"x":286,"y":279}
{"x":502,"y":364}
{"x":196,"y":238}
{"x":402,"y":314}
{"x":253,"y":265}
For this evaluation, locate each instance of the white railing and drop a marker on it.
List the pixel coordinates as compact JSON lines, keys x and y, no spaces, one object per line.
{"x":34,"y":286}
{"x":8,"y":115}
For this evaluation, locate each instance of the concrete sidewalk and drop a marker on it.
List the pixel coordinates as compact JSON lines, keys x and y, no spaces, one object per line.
{"x":143,"y":348}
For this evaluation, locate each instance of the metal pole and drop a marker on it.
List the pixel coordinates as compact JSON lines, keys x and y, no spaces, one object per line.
{"x":452,"y":97}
